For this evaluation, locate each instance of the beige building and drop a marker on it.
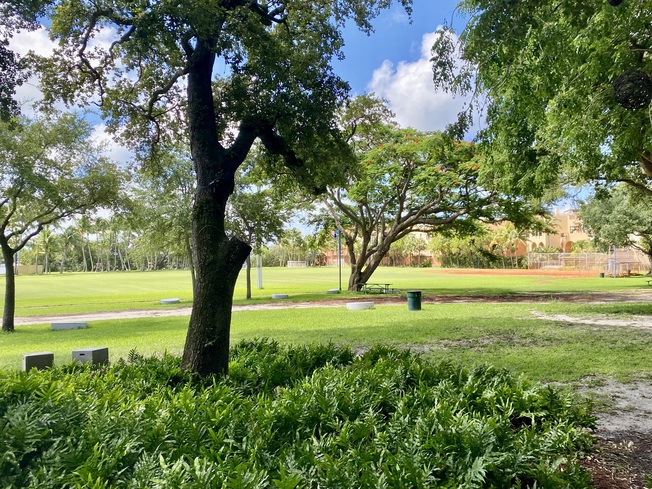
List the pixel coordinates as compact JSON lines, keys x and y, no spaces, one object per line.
{"x":568,"y":231}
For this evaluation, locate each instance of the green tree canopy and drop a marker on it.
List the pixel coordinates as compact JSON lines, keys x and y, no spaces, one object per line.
{"x":50,"y":171}
{"x":14,"y":15}
{"x":623,"y":217}
{"x":550,"y":74}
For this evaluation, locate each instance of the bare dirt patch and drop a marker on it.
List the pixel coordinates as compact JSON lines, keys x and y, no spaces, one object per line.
{"x":622,"y":456}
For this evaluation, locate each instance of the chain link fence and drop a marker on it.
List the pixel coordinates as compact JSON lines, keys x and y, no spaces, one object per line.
{"x":623,"y":262}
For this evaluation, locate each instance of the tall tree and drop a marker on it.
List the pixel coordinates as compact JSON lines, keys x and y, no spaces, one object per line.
{"x":621,"y":217}
{"x":50,"y":171}
{"x":161,"y":67}
{"x":566,"y":85}
{"x":414,"y":181}
{"x":164,"y":196}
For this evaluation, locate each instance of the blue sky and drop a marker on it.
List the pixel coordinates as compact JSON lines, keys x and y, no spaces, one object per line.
{"x":395,"y":39}
{"x":394,"y":63}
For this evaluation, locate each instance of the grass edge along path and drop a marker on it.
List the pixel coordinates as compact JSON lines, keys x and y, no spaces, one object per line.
{"x":504,"y":335}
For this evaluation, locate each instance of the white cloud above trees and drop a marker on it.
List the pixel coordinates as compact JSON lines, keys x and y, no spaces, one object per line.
{"x":409,"y":89}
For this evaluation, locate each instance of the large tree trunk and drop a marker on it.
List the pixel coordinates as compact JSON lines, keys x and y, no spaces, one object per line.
{"x":364,"y":268}
{"x":217,"y":259}
{"x":10,"y":288}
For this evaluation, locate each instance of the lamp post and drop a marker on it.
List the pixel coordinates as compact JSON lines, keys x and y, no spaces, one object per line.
{"x":259,"y":267}
{"x":338,"y":235}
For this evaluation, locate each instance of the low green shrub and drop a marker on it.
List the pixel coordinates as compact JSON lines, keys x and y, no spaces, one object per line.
{"x":288,"y":417}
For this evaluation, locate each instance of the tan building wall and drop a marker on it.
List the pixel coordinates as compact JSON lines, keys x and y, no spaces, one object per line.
{"x":568,"y":231}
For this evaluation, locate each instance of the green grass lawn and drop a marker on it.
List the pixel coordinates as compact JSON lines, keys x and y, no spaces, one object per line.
{"x":506,"y":335}
{"x":95,"y":292}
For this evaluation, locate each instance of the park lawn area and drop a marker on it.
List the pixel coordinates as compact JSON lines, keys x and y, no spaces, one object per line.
{"x":76,"y":293}
{"x":503,"y":335}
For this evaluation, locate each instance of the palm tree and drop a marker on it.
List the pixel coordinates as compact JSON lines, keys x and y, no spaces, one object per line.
{"x":84,"y":229}
{"x":48,"y":242}
{"x":69,"y":240}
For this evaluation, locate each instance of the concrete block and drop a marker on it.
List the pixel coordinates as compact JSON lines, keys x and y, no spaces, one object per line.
{"x":38,"y":360}
{"x":173,"y":300}
{"x":68,"y":325}
{"x":359,"y":306}
{"x":279,"y":296}
{"x":96,"y":356}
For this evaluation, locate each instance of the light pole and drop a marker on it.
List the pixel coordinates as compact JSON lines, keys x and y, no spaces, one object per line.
{"x":338,"y":235}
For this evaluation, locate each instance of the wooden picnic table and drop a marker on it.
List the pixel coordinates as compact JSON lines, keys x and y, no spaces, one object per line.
{"x":377,"y":288}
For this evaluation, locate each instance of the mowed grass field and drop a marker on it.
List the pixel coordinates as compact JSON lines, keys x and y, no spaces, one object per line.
{"x":508,"y":335}
{"x":96,"y":292}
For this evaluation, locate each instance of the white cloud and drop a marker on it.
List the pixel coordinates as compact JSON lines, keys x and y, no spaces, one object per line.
{"x":22,"y":43}
{"x":112,"y":149}
{"x":38,"y":41}
{"x":409,"y":88}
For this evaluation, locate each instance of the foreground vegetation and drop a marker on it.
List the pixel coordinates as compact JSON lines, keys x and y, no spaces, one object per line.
{"x":288,"y":417}
{"x":510,"y":335}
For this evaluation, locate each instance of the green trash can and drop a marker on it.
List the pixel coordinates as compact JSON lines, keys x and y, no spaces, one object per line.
{"x":414,"y":300}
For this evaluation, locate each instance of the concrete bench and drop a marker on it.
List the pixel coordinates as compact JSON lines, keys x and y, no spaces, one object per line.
{"x":96,"y":356}
{"x":359,"y":306}
{"x":68,"y":325}
{"x":38,"y":360}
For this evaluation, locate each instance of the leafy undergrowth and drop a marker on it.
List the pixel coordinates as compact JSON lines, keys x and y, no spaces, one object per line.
{"x":286,"y":417}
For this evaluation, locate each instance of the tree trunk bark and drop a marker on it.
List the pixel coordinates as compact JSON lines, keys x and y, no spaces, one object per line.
{"x":10,"y":288}
{"x":217,"y":259}
{"x":90,"y":255}
{"x":363,"y":269}
{"x":83,"y":250}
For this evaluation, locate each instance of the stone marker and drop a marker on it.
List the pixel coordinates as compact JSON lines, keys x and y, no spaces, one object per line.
{"x":39,"y":360}
{"x":359,"y":306}
{"x":170,"y":301}
{"x":96,"y":356}
{"x":69,"y":325}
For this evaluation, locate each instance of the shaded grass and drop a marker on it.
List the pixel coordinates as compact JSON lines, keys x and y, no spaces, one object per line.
{"x":503,"y":335}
